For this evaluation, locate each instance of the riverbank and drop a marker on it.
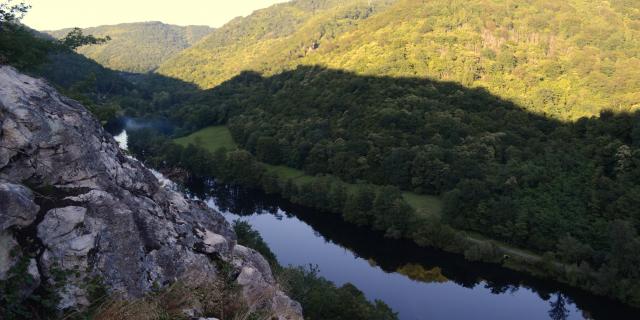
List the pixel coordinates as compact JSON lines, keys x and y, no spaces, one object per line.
{"x":417,"y":282}
{"x":320,"y":298}
{"x":379,"y":208}
{"x":215,"y":138}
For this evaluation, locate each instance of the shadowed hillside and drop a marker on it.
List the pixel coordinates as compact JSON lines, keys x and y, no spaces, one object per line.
{"x":567,"y":188}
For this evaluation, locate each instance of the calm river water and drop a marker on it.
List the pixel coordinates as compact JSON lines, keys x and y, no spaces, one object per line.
{"x":418,"y":283}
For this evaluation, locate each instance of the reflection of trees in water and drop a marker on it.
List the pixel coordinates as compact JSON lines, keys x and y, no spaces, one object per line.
{"x":404,"y":257}
{"x":239,"y":201}
{"x":417,"y":272}
{"x":501,"y":288}
{"x":390,"y":255}
{"x":559,"y":309}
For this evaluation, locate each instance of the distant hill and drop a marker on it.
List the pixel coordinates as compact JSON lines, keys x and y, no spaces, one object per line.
{"x":566,"y":59}
{"x":138,"y":47}
{"x":269,"y":40}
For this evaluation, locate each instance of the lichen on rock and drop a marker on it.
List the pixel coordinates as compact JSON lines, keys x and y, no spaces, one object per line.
{"x":95,"y":212}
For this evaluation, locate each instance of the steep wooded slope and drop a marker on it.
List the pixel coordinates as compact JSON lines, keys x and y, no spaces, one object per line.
{"x":138,"y":47}
{"x":567,"y":59}
{"x":269,"y":39}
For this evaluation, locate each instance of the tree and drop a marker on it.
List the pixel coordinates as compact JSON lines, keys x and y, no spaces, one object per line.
{"x":75,"y":39}
{"x":384,"y":207}
{"x":242,"y":169}
{"x":625,"y":245}
{"x":270,"y":183}
{"x":268,"y":150}
{"x":397,"y":167}
{"x":358,"y":207}
{"x":12,"y":13}
{"x":558,"y":309}
{"x":572,"y":251}
{"x":337,"y":196}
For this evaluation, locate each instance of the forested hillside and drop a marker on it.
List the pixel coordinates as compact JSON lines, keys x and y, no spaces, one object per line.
{"x":566,"y":59}
{"x":138,"y":47}
{"x":565,"y":191}
{"x":110,"y":94}
{"x":519,"y":114}
{"x":269,"y":40}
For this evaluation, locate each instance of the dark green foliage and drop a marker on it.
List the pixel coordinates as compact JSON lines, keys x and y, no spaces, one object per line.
{"x":268,"y":150}
{"x":504,"y":170}
{"x":12,"y":12}
{"x":529,"y":181}
{"x":252,"y":239}
{"x":505,"y":173}
{"x":430,"y":231}
{"x":483,"y":251}
{"x":321,"y":299}
{"x":237,"y":167}
{"x":108,"y":94}
{"x":522,"y":178}
{"x":382,"y":208}
{"x":391,"y":213}
{"x":359,"y":207}
{"x":76,"y":39}
{"x":40,"y":304}
{"x":19,"y":48}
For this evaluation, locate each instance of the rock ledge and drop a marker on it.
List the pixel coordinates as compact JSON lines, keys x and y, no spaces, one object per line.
{"x":86,"y":207}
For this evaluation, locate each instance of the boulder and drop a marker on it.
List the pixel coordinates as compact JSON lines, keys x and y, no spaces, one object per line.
{"x":96,"y":212}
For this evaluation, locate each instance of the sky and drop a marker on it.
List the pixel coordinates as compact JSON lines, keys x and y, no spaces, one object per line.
{"x":59,"y":14}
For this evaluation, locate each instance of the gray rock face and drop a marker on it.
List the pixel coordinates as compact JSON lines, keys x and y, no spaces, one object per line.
{"x":97,"y":212}
{"x":17,"y":206}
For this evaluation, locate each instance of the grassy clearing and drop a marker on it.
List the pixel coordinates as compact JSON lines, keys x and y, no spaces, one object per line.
{"x":216,"y":137}
{"x":424,"y":204}
{"x":505,"y":247}
{"x":210,"y":138}
{"x":286,"y":173}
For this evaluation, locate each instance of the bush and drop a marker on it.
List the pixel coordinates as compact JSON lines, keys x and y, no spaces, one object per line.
{"x":321,"y":299}
{"x":485,"y":251}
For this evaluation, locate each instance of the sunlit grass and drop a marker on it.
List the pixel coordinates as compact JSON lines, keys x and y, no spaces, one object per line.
{"x":210,"y":138}
{"x":286,"y":172}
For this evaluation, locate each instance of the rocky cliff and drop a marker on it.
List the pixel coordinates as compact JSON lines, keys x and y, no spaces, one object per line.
{"x":70,"y":200}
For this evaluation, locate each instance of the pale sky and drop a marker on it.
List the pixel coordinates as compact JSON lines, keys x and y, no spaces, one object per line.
{"x":58,"y":14}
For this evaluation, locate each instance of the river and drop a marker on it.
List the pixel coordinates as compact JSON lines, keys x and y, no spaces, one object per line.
{"x":416,"y":282}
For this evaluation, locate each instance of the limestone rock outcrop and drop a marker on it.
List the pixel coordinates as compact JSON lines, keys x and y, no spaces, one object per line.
{"x":72,"y":197}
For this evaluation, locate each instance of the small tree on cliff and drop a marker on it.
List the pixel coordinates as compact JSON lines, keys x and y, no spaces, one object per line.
{"x":75,"y":39}
{"x":12,"y":13}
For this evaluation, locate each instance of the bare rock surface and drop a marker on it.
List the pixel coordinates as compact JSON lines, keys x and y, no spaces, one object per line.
{"x":66,"y":185}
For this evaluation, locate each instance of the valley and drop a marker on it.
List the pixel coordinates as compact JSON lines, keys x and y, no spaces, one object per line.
{"x":416,"y":282}
{"x":386,"y":159}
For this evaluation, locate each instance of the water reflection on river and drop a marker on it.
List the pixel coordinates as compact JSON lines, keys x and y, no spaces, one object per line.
{"x":418,"y":283}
